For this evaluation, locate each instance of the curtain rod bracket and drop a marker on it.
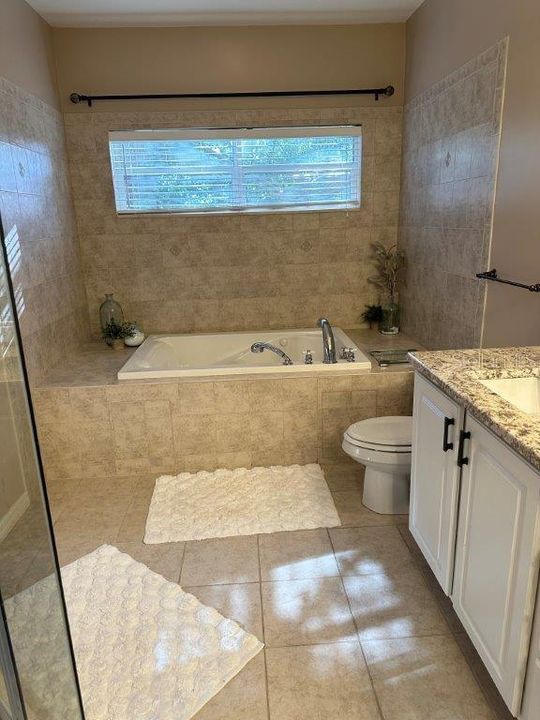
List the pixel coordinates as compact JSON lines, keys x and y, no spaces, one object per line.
{"x":76,"y":99}
{"x":388,"y":91}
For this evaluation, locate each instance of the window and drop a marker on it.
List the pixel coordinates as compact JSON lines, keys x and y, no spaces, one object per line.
{"x":236,"y":170}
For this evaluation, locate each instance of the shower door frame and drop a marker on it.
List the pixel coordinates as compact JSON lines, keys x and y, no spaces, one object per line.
{"x":14,"y":684}
{"x":15,"y":711}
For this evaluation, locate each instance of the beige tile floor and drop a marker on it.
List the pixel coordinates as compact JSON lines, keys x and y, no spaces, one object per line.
{"x":354,"y":624}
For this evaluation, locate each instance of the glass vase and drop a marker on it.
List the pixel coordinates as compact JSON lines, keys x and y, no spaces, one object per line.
{"x":110,"y":311}
{"x":389,"y":324}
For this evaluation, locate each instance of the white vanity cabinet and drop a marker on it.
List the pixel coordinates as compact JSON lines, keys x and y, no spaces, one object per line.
{"x":475,"y":513}
{"x":437,"y":421}
{"x":531,"y":696}
{"x":496,"y":576}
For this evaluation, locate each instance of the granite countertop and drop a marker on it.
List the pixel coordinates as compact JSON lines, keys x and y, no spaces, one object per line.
{"x":458,"y":372}
{"x":96,"y":364}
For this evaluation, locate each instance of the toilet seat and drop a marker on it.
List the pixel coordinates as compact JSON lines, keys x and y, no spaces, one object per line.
{"x":377,"y":448}
{"x":390,"y":434}
{"x":376,"y":456}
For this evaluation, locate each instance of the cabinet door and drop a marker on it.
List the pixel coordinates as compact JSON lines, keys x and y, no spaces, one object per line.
{"x":496,"y":557}
{"x":437,"y":421}
{"x":531,"y":696}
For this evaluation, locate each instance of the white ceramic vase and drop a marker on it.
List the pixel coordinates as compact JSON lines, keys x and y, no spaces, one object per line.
{"x":135,"y":340}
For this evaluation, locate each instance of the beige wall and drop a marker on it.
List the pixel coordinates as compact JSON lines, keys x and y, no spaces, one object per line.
{"x":237,"y":59}
{"x":443,"y":35}
{"x":26,"y":57}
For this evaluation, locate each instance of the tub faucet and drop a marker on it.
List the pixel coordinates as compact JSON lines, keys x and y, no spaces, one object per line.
{"x":259,"y":347}
{"x":329,"y":343}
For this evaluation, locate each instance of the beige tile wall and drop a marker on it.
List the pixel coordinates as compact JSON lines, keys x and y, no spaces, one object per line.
{"x":232,"y":272}
{"x":118,"y":430}
{"x":450,"y":150}
{"x":37,"y":217}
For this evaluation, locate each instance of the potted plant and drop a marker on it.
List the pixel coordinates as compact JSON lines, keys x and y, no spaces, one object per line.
{"x":114,"y":333}
{"x":389,"y":263}
{"x":372,"y":314}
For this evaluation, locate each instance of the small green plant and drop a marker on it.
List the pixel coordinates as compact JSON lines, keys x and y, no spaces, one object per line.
{"x":115,"y":331}
{"x":372,"y":314}
{"x":389,"y":263}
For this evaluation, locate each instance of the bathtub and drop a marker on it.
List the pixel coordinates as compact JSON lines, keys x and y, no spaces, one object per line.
{"x":164,"y":356}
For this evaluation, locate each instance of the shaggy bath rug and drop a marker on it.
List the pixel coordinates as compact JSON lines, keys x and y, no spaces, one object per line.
{"x":145,"y":649}
{"x":239,"y":502}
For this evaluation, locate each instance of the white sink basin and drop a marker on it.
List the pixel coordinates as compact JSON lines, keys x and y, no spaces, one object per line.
{"x":524,"y":393}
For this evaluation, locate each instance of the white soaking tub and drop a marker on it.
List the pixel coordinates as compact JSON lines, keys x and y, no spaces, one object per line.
{"x":163,"y":356}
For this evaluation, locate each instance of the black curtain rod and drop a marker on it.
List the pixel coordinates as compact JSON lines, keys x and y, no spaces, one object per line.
{"x":377,"y":92}
{"x":492,"y":275}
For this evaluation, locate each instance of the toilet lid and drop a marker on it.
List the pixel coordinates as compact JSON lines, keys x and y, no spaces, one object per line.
{"x":388,"y":431}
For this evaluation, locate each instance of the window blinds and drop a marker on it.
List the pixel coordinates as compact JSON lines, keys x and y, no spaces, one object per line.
{"x":236,"y":170}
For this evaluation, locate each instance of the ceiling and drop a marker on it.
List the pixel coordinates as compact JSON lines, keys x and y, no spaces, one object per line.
{"x":124,"y":13}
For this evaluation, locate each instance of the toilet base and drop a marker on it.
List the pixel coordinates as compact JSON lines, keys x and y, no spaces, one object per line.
{"x":386,"y":493}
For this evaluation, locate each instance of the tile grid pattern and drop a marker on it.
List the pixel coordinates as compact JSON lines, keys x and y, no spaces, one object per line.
{"x":172,"y":427}
{"x":39,"y":225}
{"x":178,"y":273}
{"x":299,"y":592}
{"x":450,"y":152}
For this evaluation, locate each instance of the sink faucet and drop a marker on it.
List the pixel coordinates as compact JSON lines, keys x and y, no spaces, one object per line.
{"x":329,"y":344}
{"x":259,"y":347}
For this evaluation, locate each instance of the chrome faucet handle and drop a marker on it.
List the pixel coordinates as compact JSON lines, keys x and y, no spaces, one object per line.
{"x":348,"y":354}
{"x":308,"y":357}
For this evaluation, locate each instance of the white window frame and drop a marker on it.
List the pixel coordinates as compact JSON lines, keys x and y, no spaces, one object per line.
{"x":159,"y":135}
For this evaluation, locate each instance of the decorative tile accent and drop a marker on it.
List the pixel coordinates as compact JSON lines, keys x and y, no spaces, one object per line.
{"x":450,"y":152}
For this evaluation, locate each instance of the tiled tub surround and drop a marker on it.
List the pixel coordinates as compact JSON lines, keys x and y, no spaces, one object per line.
{"x":450,"y":149}
{"x":187,"y":273}
{"x":38,"y":222}
{"x":112,"y":429}
{"x":458,"y":372}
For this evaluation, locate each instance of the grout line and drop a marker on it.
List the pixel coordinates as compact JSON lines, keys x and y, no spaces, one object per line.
{"x":266,"y":683}
{"x":372,"y":684}
{"x":263,"y":631}
{"x":355,"y":640}
{"x":181,"y":567}
{"x":226,"y":584}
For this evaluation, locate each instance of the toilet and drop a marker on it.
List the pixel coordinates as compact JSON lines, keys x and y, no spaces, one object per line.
{"x":383,"y":445}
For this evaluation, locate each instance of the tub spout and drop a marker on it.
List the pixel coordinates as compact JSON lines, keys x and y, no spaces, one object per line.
{"x":329,"y":343}
{"x":259,"y":347}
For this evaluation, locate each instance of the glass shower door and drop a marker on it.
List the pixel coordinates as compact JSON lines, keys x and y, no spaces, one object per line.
{"x":37,"y":673}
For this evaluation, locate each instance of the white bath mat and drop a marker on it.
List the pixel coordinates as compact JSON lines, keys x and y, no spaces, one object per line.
{"x":239,"y":502}
{"x":145,"y":649}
